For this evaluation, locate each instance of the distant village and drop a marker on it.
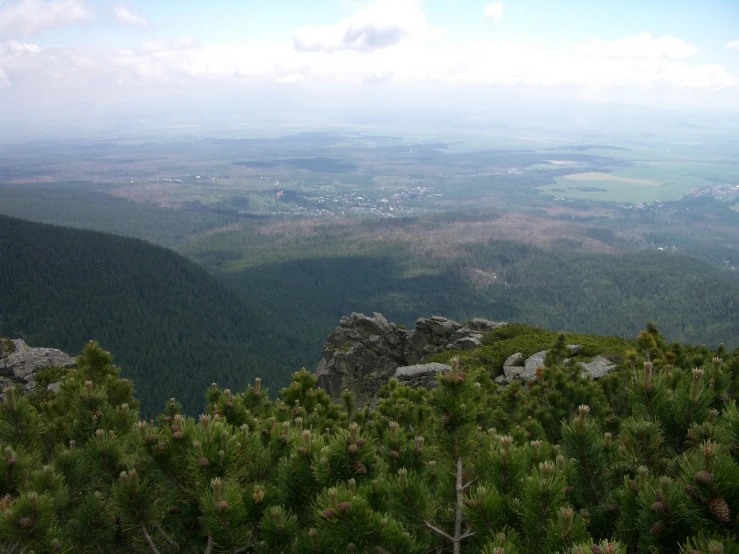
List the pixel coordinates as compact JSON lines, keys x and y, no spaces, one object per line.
{"x":400,"y":202}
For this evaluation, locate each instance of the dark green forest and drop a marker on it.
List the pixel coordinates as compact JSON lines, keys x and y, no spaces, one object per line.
{"x":75,"y":205}
{"x":613,"y":294}
{"x":174,"y":327}
{"x":182,"y":329}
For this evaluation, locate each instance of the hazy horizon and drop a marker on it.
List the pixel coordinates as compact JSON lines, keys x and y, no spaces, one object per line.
{"x":76,"y":64}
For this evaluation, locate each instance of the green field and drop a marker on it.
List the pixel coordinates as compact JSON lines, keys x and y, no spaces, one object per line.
{"x":637,"y":184}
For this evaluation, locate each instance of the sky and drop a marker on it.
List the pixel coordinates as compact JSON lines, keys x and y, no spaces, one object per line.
{"x":64,"y":57}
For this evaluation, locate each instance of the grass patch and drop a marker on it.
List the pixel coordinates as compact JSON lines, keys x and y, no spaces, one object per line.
{"x":6,"y":347}
{"x":645,"y":183}
{"x":501,"y":343}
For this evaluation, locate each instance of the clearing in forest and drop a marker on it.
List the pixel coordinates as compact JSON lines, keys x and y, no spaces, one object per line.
{"x":600,"y":176}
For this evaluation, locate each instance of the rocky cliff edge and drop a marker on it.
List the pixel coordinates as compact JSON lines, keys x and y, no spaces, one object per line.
{"x":19,"y":363}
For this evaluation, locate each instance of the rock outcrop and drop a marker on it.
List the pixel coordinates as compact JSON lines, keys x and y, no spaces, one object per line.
{"x":516,"y":367}
{"x":598,"y":367}
{"x":420,"y":375}
{"x":19,"y":363}
{"x":364,"y":352}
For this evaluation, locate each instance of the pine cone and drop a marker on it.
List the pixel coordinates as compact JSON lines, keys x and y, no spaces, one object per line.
{"x":694,"y":493}
{"x":204,"y":462}
{"x":328,"y":513}
{"x":352,"y":449}
{"x":344,"y":507}
{"x":703,"y":478}
{"x":394,"y":454}
{"x":720,"y":509}
{"x":597,"y":549}
{"x":658,"y":507}
{"x":221,"y":505}
{"x":361,"y":442}
{"x":302,"y":450}
{"x":657,"y":529}
{"x":359,"y":467}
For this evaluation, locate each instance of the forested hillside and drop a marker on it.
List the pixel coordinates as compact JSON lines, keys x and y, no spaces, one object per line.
{"x":174,"y":328}
{"x":610,"y":294}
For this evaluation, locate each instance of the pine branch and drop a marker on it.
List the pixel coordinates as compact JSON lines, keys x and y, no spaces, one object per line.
{"x":148,"y":539}
{"x":458,"y":537}
{"x":438,"y":531}
{"x":460,"y":509}
{"x":166,"y":537}
{"x":468,"y":485}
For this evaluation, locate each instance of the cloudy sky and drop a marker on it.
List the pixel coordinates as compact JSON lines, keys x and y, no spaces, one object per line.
{"x":57,"y":54}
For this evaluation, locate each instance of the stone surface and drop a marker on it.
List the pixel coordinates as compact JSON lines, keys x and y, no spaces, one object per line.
{"x":20,"y":366}
{"x":363,"y":352}
{"x":513,"y":366}
{"x":533,"y":362}
{"x":420,"y":375}
{"x":467,"y":343}
{"x":516,"y":367}
{"x":598,"y":367}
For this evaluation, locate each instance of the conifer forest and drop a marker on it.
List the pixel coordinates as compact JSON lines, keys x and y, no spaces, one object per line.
{"x":643,"y":460}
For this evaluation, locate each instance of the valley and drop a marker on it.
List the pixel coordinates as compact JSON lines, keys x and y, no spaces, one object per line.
{"x":568,"y":231}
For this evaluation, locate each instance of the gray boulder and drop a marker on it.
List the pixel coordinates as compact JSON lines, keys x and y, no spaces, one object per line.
{"x":513,"y":366}
{"x":420,"y":375}
{"x":598,"y":367}
{"x":516,"y":367}
{"x":533,"y":363}
{"x":20,"y":363}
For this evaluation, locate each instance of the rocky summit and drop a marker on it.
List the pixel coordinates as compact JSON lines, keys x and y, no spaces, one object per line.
{"x":364,"y":352}
{"x":19,"y":363}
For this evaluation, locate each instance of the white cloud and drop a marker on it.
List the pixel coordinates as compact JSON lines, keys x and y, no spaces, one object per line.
{"x":733,"y":45}
{"x":23,"y":18}
{"x":642,"y":46}
{"x":378,"y":25}
{"x":4,"y":81}
{"x":169,"y":45}
{"x":127,"y":17}
{"x":426,"y":65}
{"x":493,"y":11}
